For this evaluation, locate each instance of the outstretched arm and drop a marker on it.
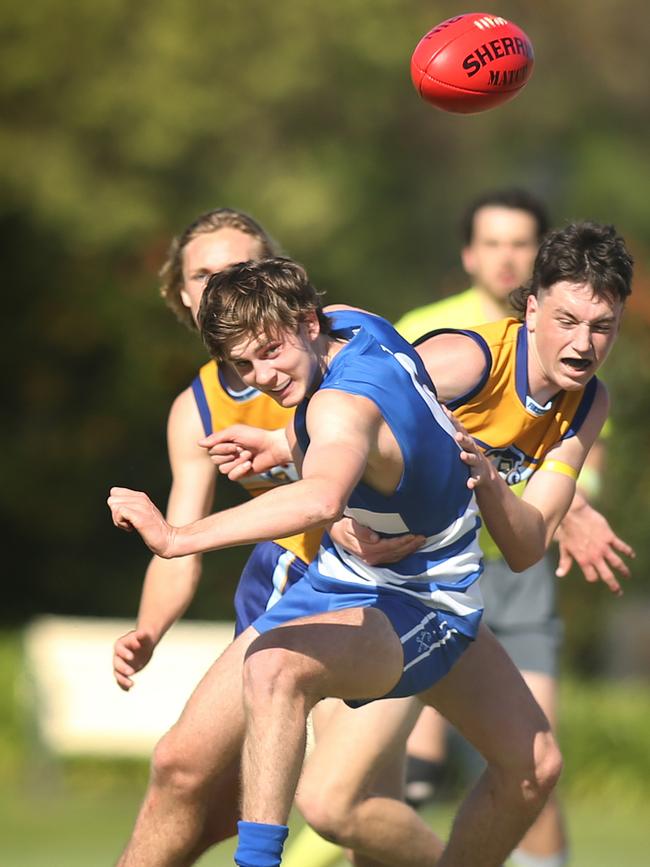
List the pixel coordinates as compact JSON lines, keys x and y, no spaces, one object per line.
{"x":341,"y":428}
{"x":169,"y":586}
{"x":585,"y":536}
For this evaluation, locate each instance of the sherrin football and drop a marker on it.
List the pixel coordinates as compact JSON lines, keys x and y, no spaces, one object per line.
{"x":472,"y":62}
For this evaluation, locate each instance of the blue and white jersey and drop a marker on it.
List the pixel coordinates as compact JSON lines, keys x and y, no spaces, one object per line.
{"x":432,"y":498}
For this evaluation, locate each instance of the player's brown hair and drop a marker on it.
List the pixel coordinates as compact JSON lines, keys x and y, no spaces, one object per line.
{"x":268,"y":296}
{"x":583,"y":252}
{"x":171,"y":273}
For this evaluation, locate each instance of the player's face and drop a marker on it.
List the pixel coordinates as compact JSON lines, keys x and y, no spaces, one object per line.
{"x":283,"y":366}
{"x":211,"y":252}
{"x":571,"y":333}
{"x":502,"y":251}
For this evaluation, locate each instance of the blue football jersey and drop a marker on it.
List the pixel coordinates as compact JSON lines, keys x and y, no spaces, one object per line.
{"x":431,"y":499}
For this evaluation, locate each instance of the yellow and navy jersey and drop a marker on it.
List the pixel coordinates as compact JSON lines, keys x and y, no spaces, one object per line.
{"x":220,"y":407}
{"x":510,"y":427}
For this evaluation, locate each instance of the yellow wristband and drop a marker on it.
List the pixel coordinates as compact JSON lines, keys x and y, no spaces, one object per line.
{"x":559,"y":467}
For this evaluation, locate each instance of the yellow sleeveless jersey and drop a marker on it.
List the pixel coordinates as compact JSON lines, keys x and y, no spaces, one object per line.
{"x":463,"y":310}
{"x":516,"y":437}
{"x":513,"y":430}
{"x":219,"y":408}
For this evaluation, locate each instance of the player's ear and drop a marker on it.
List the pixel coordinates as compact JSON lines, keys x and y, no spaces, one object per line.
{"x":185,"y":298}
{"x":312,"y":325}
{"x":532,"y":306}
{"x":468,"y":259}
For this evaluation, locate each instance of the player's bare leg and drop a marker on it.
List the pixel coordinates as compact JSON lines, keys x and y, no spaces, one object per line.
{"x":288,"y":670}
{"x":192,"y":799}
{"x":388,"y":782}
{"x":485,"y":697}
{"x":307,"y":846}
{"x":426,"y":759}
{"x":351,"y":790}
{"x":546,"y":838}
{"x":428,"y":740}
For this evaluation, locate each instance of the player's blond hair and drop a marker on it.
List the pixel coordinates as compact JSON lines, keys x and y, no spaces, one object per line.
{"x":171,"y":273}
{"x":265,"y":297}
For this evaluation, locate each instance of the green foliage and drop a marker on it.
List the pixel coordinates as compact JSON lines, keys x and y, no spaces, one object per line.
{"x":13,"y":720}
{"x":605,"y":740}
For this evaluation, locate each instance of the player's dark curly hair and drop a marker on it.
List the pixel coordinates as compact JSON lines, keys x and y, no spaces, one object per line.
{"x":249,"y":299}
{"x":516,"y":198}
{"x":171,"y":273}
{"x":582,"y":253}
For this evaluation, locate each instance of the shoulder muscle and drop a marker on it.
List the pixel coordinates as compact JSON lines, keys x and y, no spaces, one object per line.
{"x":454,"y":362}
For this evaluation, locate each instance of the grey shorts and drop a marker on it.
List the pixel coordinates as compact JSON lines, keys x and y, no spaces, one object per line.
{"x":520,"y":610}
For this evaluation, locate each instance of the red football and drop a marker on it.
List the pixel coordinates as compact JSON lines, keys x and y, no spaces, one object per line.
{"x":472,"y":62}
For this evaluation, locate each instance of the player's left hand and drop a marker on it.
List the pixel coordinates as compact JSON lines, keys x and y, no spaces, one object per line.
{"x":586,"y":537}
{"x":230,"y":458}
{"x":133,"y":510}
{"x":241,"y":449}
{"x":480,"y":468}
{"x":370,"y":546}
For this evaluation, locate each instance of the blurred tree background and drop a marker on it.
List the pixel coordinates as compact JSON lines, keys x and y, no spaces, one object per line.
{"x":121,"y":122}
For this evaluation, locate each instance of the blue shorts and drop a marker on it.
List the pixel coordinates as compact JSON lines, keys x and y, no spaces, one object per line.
{"x":269,"y":572}
{"x":432,"y":639}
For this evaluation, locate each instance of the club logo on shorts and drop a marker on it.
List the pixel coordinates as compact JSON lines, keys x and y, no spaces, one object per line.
{"x":424,"y":640}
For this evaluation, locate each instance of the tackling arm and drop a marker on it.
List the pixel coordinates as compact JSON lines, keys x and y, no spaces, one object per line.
{"x":341,"y":429}
{"x":584,"y":535}
{"x":523,"y":527}
{"x":169,"y":586}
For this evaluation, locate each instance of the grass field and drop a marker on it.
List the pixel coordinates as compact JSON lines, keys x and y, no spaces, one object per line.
{"x":79,"y":812}
{"x":88,"y":828}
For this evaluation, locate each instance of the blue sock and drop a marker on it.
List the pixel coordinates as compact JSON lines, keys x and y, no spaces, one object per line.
{"x":260,"y":845}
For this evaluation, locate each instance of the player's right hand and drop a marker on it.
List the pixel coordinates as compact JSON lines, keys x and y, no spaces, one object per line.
{"x":133,"y":510}
{"x":131,"y":652}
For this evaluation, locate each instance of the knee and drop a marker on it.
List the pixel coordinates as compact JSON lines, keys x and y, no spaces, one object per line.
{"x":547,"y":764}
{"x":533,"y":773}
{"x":327,"y":806}
{"x":172,"y":767}
{"x":272,"y":676}
{"x":325,"y":815}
